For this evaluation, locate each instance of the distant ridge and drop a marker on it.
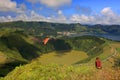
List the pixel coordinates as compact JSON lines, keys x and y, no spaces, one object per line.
{"x":48,"y":28}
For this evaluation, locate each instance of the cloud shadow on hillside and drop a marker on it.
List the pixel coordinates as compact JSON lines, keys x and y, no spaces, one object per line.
{"x":60,"y":46}
{"x":8,"y":67}
{"x":14,"y":42}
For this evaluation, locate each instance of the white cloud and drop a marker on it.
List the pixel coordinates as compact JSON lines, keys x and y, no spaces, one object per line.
{"x":109,"y":16}
{"x":55,"y":3}
{"x":82,"y":19}
{"x":33,"y":16}
{"x":52,"y":3}
{"x":7,"y":5}
{"x":37,"y":17}
{"x":6,"y":19}
{"x":57,"y":19}
{"x":11,"y":6}
{"x":3,"y":19}
{"x":107,"y":12}
{"x":59,"y":12}
{"x":106,"y":16}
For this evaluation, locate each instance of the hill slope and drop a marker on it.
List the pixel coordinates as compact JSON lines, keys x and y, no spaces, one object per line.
{"x":18,"y":48}
{"x":15,"y":50}
{"x":39,"y":71}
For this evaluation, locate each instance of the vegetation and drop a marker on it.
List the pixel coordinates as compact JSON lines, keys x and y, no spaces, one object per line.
{"x":18,"y":48}
{"x":37,"y":71}
{"x":118,"y":49}
{"x":46,"y":28}
{"x":63,"y":57}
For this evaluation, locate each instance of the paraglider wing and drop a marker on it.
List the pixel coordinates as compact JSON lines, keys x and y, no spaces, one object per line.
{"x":45,"y":40}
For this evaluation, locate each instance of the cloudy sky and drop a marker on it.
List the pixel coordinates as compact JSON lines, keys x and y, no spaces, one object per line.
{"x":61,"y":11}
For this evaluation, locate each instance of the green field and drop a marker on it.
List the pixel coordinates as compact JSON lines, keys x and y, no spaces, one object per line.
{"x":66,"y":58}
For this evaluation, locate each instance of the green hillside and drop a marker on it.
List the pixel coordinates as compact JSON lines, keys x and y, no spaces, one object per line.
{"x":39,"y":69}
{"x":20,"y":46}
{"x":17,"y":48}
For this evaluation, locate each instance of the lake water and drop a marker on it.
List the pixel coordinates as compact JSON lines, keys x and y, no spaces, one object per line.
{"x":112,"y":37}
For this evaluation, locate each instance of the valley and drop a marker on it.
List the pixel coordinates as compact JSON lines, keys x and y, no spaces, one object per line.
{"x":23,"y":54}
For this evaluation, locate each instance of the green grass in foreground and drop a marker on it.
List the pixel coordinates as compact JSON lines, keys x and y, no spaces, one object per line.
{"x":37,"y":71}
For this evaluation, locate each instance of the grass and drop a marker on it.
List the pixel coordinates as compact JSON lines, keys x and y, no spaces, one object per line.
{"x":2,"y":58}
{"x":67,"y":58}
{"x":106,"y":53}
{"x":37,"y":71}
{"x":118,"y":49}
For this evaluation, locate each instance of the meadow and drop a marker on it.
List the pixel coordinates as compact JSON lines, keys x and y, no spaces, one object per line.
{"x":63,"y":57}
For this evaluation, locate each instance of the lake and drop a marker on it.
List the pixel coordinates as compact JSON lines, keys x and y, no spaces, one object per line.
{"x":112,"y":37}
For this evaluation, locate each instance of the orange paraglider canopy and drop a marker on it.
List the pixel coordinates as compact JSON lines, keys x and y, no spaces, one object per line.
{"x":46,"y":40}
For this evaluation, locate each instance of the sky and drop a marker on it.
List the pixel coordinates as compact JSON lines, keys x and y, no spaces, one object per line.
{"x":61,"y":11}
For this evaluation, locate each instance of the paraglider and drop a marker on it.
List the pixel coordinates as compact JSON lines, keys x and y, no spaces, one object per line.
{"x":46,"y":40}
